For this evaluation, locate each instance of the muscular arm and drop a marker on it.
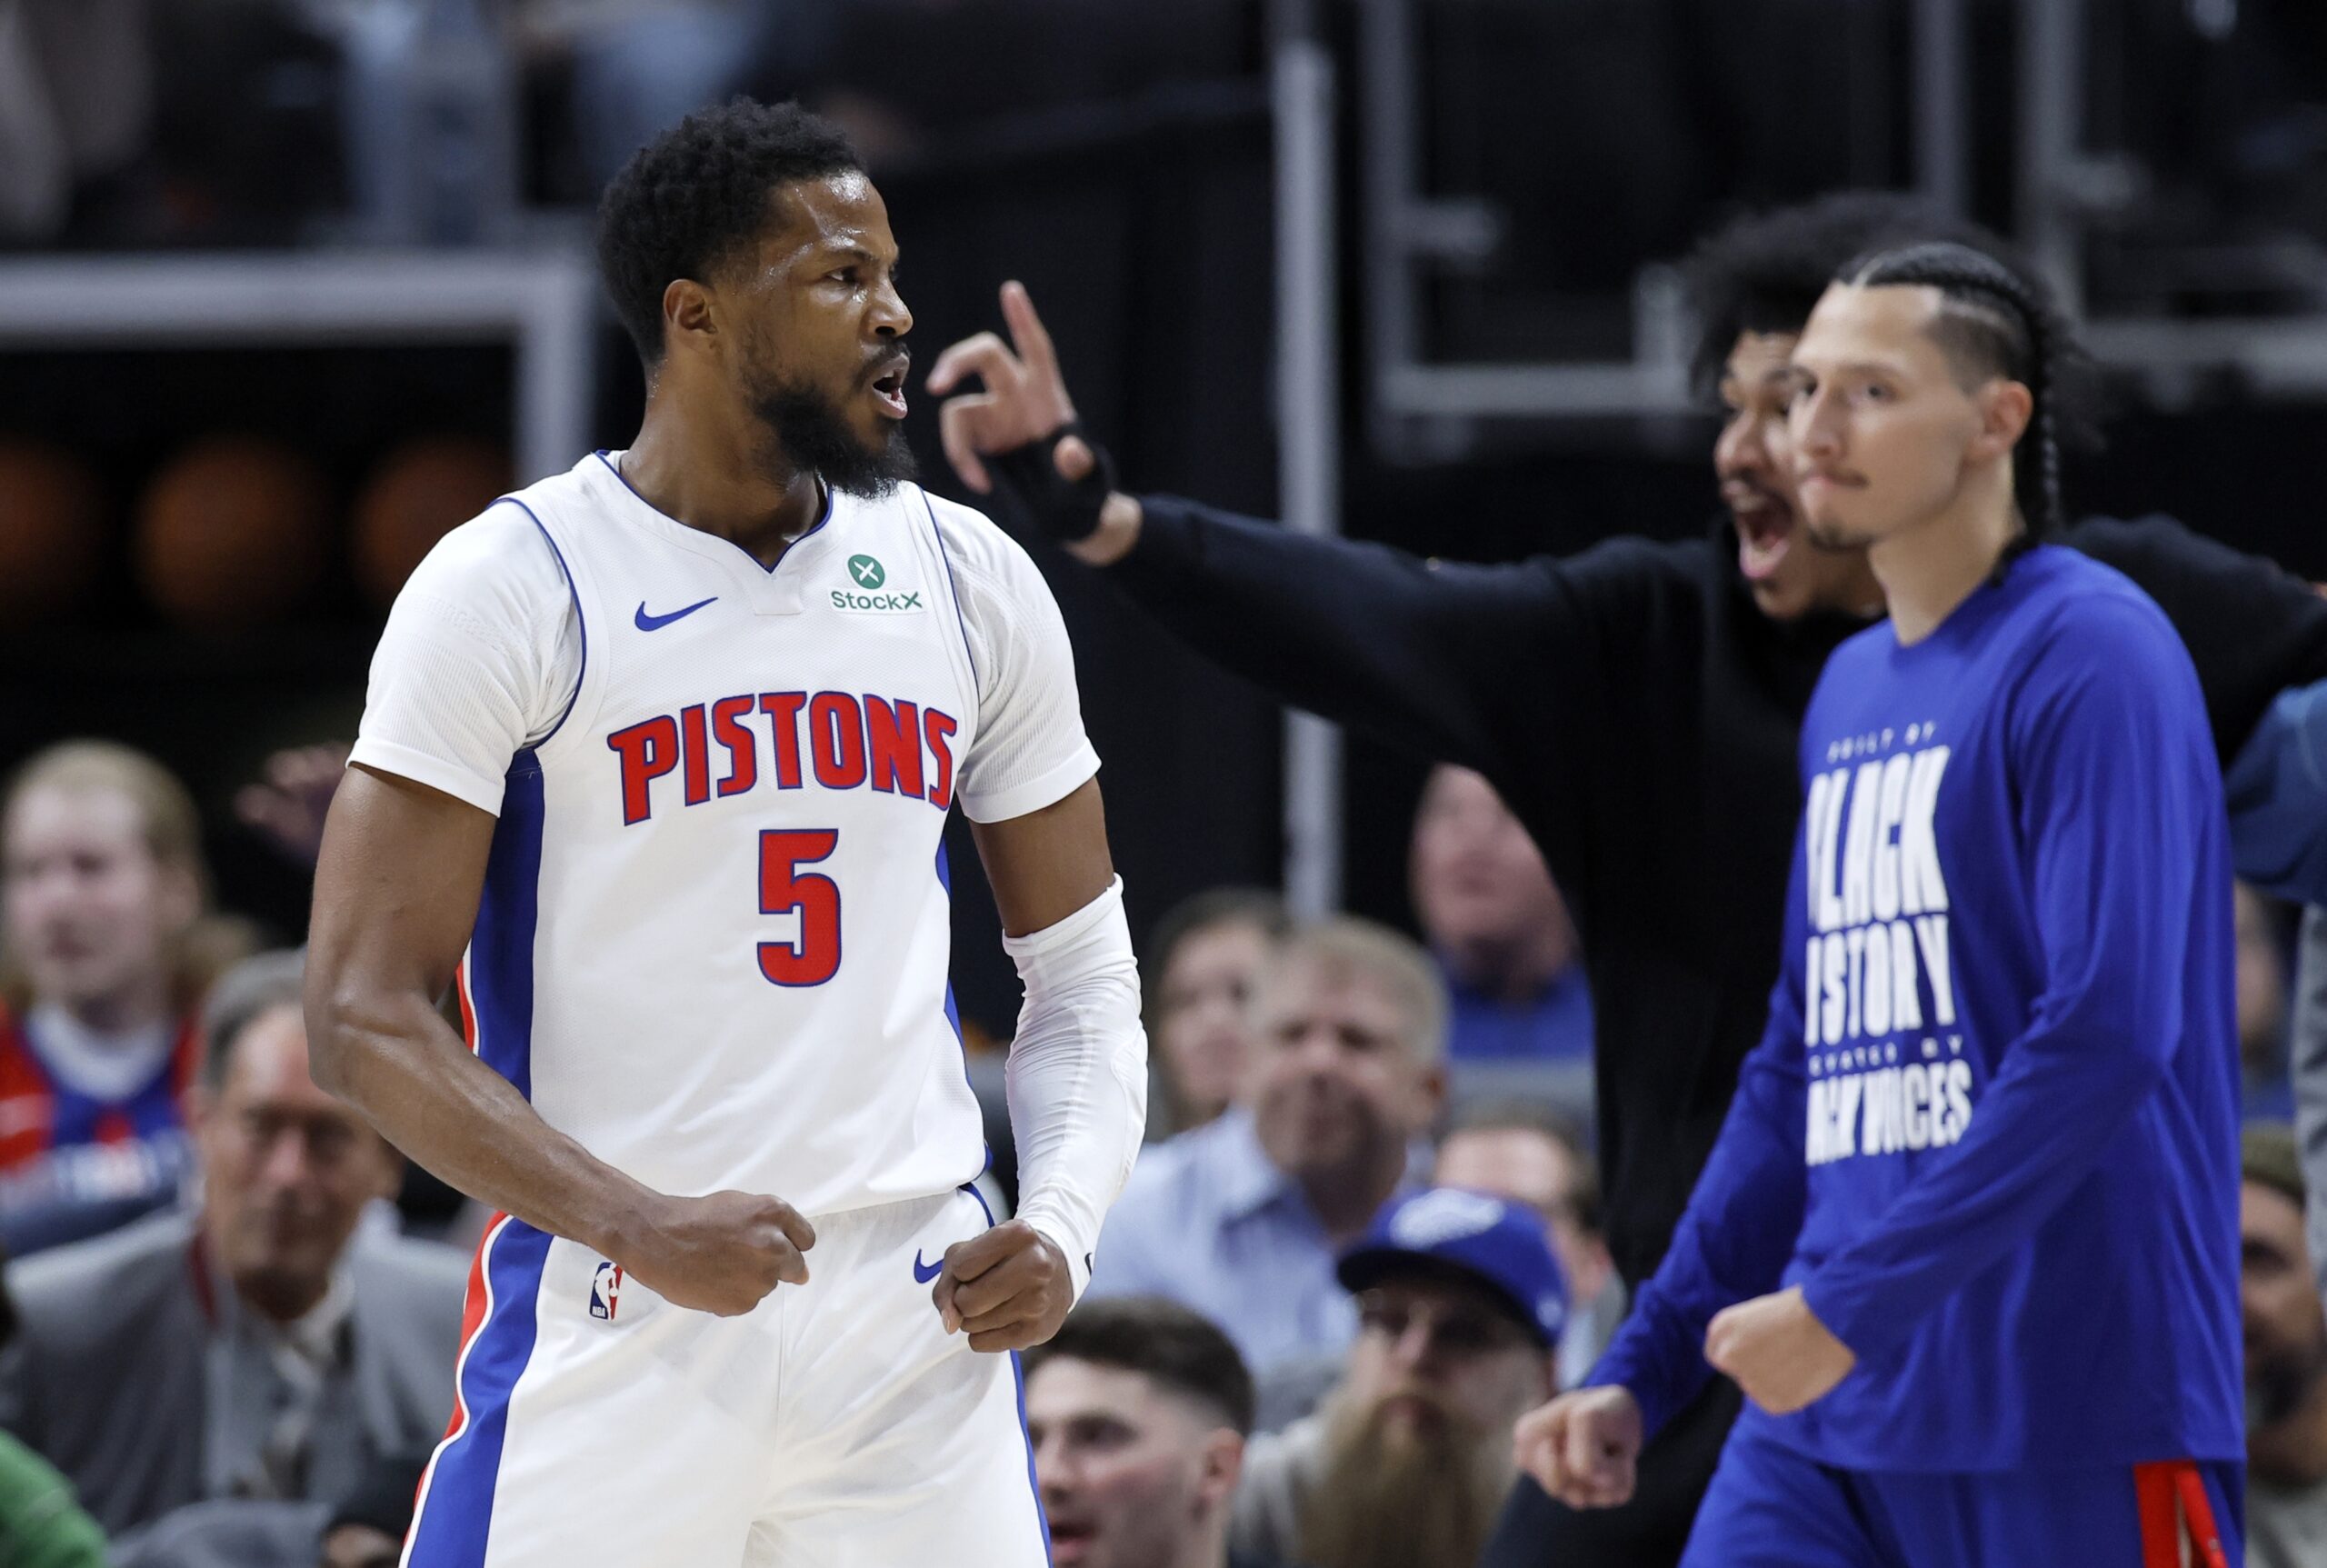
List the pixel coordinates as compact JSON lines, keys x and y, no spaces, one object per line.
{"x":1046,"y":865}
{"x":396,"y":892}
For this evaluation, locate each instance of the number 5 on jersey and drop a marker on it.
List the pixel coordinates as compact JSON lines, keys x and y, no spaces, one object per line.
{"x":813,"y":957}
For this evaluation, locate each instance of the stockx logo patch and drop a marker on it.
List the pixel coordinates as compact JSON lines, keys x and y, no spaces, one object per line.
{"x":869,"y":593}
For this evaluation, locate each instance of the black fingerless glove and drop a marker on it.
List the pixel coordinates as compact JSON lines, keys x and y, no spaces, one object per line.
{"x":1030,"y":496}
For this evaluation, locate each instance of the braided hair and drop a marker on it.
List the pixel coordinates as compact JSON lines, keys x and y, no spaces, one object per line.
{"x":1994,"y":320}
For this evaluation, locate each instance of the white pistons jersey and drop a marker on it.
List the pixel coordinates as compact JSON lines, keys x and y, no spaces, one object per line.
{"x":713,"y":946}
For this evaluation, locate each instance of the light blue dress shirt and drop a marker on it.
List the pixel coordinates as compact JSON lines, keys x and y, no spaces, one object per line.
{"x":1208,"y":1222}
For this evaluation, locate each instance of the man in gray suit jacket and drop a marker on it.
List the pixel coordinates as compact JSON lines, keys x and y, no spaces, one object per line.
{"x":270,"y":1344}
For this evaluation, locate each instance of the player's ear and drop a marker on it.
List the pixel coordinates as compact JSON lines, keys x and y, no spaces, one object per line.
{"x":2005,"y":408}
{"x":687,"y":313}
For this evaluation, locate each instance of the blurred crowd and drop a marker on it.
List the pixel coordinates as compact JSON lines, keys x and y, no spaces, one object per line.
{"x":160,"y":123}
{"x":1364,"y":1239}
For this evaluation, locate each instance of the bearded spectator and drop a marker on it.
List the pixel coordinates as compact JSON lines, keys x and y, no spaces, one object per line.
{"x":2286,"y":1360}
{"x":1461,"y":1304}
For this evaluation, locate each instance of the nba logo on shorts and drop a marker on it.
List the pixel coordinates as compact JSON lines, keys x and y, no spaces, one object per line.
{"x":606,"y":1292}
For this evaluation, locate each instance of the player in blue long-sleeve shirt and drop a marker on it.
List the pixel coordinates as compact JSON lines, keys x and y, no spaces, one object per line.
{"x":1968,"y":1239}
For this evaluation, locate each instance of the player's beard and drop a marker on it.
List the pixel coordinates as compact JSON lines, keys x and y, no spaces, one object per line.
{"x":809,"y":431}
{"x":1400,"y":1496}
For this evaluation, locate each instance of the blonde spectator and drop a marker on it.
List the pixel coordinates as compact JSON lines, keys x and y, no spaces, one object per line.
{"x":105,"y":948}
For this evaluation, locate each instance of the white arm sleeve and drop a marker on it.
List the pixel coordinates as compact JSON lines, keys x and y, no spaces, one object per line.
{"x":480,"y":659}
{"x":1077,"y":1075}
{"x":1030,"y":750}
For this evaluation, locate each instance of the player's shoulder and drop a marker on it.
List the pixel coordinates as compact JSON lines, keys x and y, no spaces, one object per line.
{"x":975,"y":543}
{"x":2092,"y":633}
{"x":500,"y":565}
{"x":505,"y":534}
{"x":2095,"y":608}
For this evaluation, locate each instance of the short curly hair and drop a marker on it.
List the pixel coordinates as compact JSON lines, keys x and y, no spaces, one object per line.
{"x":687,"y":200}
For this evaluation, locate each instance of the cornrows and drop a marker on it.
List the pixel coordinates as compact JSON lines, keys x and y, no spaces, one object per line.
{"x":1994,"y":322}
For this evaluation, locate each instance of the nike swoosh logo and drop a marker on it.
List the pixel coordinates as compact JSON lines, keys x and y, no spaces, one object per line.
{"x":647,"y":623}
{"x":924,"y":1272}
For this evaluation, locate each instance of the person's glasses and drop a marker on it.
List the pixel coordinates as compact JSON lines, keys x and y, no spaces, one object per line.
{"x":1457,"y":1333}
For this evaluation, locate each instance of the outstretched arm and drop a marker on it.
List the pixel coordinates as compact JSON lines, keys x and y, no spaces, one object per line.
{"x":397,"y":889}
{"x":1420,"y":653}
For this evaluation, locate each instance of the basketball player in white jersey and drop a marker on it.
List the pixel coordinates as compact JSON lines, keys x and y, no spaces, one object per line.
{"x":653,"y":769}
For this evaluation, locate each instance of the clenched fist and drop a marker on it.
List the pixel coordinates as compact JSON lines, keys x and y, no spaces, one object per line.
{"x":1008,"y":1289}
{"x":720,"y":1254}
{"x":1584,"y":1447}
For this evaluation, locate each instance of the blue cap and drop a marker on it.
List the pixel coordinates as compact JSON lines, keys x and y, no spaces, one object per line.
{"x":1500,"y":1245}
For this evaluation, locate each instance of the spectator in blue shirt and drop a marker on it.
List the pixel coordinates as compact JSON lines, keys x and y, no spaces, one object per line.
{"x":1240,"y":1218}
{"x":1500,"y":930}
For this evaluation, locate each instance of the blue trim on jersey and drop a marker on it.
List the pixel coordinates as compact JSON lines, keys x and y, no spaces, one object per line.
{"x":501,"y":948}
{"x":952,"y":583}
{"x":1034,"y":1482}
{"x":953,"y":1011}
{"x":457,"y":1513}
{"x":580,"y":622}
{"x":1018,"y":1375}
{"x":822,"y":519}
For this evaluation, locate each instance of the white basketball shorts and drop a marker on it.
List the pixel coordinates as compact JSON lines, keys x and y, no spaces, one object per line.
{"x":836,"y":1425}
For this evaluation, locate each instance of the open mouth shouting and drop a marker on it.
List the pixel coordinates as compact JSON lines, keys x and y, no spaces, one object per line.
{"x":1765,"y":528}
{"x":889,"y":383}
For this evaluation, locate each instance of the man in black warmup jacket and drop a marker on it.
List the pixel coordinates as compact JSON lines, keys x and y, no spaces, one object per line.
{"x":1636,"y":704}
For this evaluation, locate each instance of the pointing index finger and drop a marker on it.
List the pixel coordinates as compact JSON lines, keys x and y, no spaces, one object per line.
{"x":982,"y":354}
{"x":1026,"y":331}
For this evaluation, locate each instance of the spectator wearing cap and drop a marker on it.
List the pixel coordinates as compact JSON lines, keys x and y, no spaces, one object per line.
{"x":1408,"y":1462}
{"x":2286,"y":1360}
{"x":1241,"y":1219}
{"x":1531,"y":1153}
{"x":1137,"y":1410}
{"x":267,"y":1346}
